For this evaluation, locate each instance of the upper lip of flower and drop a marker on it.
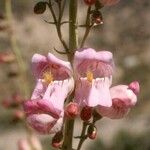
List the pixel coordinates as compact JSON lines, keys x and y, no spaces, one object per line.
{"x":96,"y":64}
{"x":59,"y":69}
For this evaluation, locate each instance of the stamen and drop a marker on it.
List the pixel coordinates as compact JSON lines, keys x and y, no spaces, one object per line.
{"x":48,"y":77}
{"x":89,"y":76}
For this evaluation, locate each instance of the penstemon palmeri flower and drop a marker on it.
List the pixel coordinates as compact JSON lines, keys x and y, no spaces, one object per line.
{"x":93,"y":77}
{"x":54,"y":83}
{"x":124,"y":97}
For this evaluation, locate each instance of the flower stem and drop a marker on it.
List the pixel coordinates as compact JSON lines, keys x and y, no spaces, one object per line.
{"x":83,"y":137}
{"x":57,"y":22}
{"x":73,"y":44}
{"x":73,"y":41}
{"x":88,"y":27}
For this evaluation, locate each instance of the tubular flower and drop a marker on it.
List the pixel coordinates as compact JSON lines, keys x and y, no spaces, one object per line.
{"x":54,"y":83}
{"x":108,"y":2}
{"x":94,"y":72}
{"x":123,"y":99}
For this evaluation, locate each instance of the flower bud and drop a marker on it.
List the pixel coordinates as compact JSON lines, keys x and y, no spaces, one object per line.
{"x":57,"y":140}
{"x":90,"y":2}
{"x":86,"y":113}
{"x":18,"y":115}
{"x":40,"y":8}
{"x":135,"y":87}
{"x":72,"y":110}
{"x":97,"y":17}
{"x":92,"y":132}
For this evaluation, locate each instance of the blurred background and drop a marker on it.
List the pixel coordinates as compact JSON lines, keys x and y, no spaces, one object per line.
{"x":125,"y":32}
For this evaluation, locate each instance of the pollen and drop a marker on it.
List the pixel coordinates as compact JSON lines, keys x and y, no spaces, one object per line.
{"x":48,"y":77}
{"x":89,"y":76}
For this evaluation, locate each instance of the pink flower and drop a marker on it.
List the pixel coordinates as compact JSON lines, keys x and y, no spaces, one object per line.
{"x":54,"y":83}
{"x":93,"y":77}
{"x":123,"y":99}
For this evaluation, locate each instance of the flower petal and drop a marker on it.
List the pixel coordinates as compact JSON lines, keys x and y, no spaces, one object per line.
{"x":45,"y":124}
{"x":42,"y":123}
{"x":31,"y":107}
{"x":125,"y":94}
{"x":100,"y":63}
{"x":48,"y":108}
{"x":57,"y":92}
{"x":39,"y":62}
{"x":39,"y":90}
{"x":123,"y":99}
{"x":93,"y":94}
{"x":61,"y":69}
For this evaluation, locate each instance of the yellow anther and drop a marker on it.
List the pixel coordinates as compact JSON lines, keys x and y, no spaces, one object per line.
{"x":89,"y":76}
{"x":48,"y":77}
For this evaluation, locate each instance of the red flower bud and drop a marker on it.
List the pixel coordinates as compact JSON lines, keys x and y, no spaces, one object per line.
{"x":72,"y":110}
{"x":92,"y":132}
{"x":135,"y":87}
{"x":90,"y":2}
{"x":97,"y":17}
{"x":86,"y":113}
{"x":18,"y":115}
{"x":57,"y":140}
